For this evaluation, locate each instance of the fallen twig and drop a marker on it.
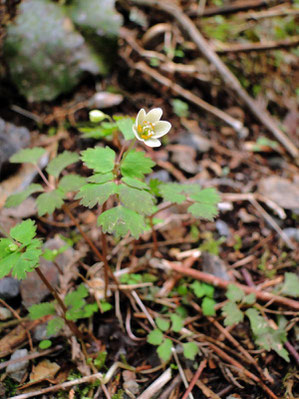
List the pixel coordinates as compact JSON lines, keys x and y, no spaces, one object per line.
{"x":236,"y":6}
{"x":156,"y":385}
{"x":218,"y":282}
{"x":221,"y":48}
{"x":228,"y":77}
{"x":242,"y":369}
{"x":196,"y":376}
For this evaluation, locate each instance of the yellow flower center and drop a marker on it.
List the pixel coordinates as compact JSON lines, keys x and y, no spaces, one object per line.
{"x":146,"y":130}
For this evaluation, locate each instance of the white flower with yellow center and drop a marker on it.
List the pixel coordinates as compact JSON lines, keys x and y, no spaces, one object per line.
{"x":148,"y":127}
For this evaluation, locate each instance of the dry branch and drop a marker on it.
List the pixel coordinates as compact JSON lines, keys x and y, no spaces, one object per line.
{"x":218,"y":282}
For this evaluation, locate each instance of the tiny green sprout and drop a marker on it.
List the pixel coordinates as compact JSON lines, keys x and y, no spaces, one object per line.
{"x":96,"y":116}
{"x":12,"y":247}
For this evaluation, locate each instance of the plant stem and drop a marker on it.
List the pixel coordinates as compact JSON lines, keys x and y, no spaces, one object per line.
{"x":46,"y":181}
{"x":53,"y":291}
{"x":104,"y":250}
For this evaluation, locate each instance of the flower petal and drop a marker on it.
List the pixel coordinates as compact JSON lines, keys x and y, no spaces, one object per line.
{"x":140,"y":117}
{"x":161,"y":128}
{"x":154,"y":115}
{"x":152,"y":142}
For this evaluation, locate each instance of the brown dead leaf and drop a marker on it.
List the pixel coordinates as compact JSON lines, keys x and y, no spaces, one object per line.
{"x":45,"y":370}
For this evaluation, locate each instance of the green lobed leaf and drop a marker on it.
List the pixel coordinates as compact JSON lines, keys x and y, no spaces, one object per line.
{"x":172,"y":192}
{"x":91,"y":194}
{"x":163,"y":324}
{"x":125,"y":125}
{"x":97,"y":132}
{"x":203,"y":211}
{"x":56,"y":166}
{"x":164,"y":350}
{"x":54,"y":326}
{"x":249,"y":299}
{"x":265,"y":336}
{"x":75,"y":297}
{"x":208,"y":306}
{"x":232,"y":314}
{"x":17,"y":199}
{"x":291,"y":285}
{"x":7,"y":263}
{"x":101,"y":177}
{"x":28,"y":155}
{"x":105,"y":306}
{"x":190,"y":350}
{"x":202,"y":289}
{"x":48,"y":202}
{"x":135,"y":183}
{"x":120,"y":220}
{"x":136,"y":164}
{"x":177,"y":322}
{"x":24,"y":232}
{"x":41,"y":309}
{"x":205,"y":206}
{"x":140,"y":201}
{"x":155,"y":337}
{"x":99,"y":159}
{"x":7,"y":247}
{"x":28,"y":260}
{"x":234,"y":293}
{"x":71,"y":183}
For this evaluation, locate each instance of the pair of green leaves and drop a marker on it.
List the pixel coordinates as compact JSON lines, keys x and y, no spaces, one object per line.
{"x":77,"y":309}
{"x":20,"y":252}
{"x":164,"y":345}
{"x":264,"y":335}
{"x":48,"y":201}
{"x":206,"y":292}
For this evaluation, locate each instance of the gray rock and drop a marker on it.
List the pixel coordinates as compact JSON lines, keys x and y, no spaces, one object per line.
{"x":12,"y":139}
{"x":212,"y":264}
{"x":45,"y":55}
{"x":292,"y":233}
{"x":32,"y":288}
{"x":199,"y":142}
{"x":5,"y":313}
{"x":98,"y":16}
{"x":222,"y":228}
{"x":9,"y":288}
{"x":17,"y":370}
{"x":280,"y":190}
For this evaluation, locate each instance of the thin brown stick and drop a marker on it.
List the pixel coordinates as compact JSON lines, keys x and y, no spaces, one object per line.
{"x":70,"y":323}
{"x":31,"y":356}
{"x":63,"y":386}
{"x":240,"y":348}
{"x":21,"y":322}
{"x":218,"y":282}
{"x":229,"y":78}
{"x":262,"y":46}
{"x":236,"y":6}
{"x":242,"y":369}
{"x":196,"y":376}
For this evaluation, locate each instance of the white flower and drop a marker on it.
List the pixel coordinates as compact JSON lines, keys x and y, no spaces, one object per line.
{"x":148,"y":127}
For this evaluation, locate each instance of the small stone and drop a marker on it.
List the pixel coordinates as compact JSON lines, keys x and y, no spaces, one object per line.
{"x":292,"y":233}
{"x":32,"y":288}
{"x":17,"y":370}
{"x":222,"y":228}
{"x":161,"y":175}
{"x":280,"y":190}
{"x":9,"y":288}
{"x":212,"y":264}
{"x":197,"y":141}
{"x":5,"y":314}
{"x":12,"y":139}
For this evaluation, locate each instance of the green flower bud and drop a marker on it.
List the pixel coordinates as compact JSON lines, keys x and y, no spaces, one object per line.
{"x":96,"y":116}
{"x":13,"y":247}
